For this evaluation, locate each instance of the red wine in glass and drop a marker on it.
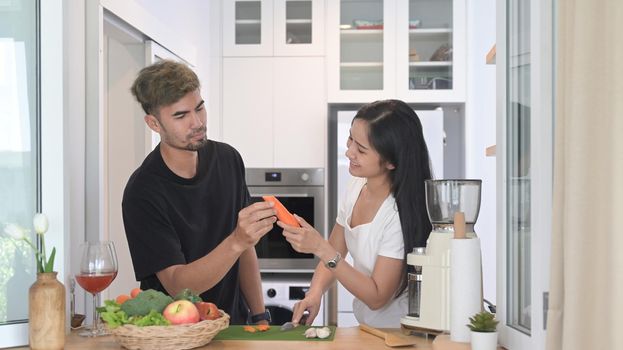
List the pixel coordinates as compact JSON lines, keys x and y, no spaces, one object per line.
{"x":98,"y":268}
{"x":95,"y":283}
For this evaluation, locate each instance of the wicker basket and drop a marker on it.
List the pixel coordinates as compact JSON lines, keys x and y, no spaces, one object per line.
{"x":186,"y":336}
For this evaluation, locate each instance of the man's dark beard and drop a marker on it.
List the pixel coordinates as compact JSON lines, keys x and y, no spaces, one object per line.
{"x":197,"y":145}
{"x":200,"y":143}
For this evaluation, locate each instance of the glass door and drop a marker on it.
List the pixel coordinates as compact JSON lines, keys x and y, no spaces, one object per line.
{"x":19,"y":162}
{"x":431,"y":54}
{"x":431,"y":46}
{"x":247,"y":28}
{"x":361,"y":45}
{"x":518,"y":177}
{"x":248,"y":22}
{"x":525,"y":96}
{"x":299,"y":27}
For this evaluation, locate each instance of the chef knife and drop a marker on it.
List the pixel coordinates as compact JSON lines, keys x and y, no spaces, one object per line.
{"x":288,"y":326}
{"x":291,"y":325}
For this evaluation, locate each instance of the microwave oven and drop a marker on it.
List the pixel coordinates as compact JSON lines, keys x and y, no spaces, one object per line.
{"x":301,"y":191}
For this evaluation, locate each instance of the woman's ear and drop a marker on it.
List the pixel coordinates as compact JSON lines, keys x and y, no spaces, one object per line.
{"x":389,"y":166}
{"x":152,"y":122}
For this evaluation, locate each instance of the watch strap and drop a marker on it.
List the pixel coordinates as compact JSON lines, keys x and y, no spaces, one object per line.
{"x":331,"y":264}
{"x":264,"y":316}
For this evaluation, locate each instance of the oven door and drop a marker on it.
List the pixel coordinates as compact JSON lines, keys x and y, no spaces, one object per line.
{"x":273,"y":251}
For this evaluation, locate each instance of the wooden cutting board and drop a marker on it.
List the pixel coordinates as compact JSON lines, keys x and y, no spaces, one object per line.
{"x":274,"y":333}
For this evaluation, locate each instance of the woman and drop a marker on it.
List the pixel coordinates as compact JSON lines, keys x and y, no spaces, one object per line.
{"x":382,"y":218}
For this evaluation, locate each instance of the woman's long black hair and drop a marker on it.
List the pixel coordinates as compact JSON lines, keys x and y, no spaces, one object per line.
{"x":395,"y":132}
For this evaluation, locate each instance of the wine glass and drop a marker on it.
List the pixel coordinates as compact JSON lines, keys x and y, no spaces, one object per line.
{"x":98,"y":268}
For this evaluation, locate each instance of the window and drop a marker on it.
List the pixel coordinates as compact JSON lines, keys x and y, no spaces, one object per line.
{"x":19,"y":156}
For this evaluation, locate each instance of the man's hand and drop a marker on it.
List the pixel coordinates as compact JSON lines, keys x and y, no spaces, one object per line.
{"x":254,"y":222}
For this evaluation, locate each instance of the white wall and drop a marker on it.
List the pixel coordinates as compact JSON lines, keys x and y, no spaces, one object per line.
{"x":480,"y":129}
{"x":75,"y":111}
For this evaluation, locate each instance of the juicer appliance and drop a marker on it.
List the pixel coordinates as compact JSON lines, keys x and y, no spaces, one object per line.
{"x":429,"y":267}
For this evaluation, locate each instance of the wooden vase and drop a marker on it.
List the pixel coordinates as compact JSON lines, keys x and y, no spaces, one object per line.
{"x":46,"y":313}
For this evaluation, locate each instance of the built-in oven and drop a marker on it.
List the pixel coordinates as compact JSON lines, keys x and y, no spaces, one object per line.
{"x":302,"y":192}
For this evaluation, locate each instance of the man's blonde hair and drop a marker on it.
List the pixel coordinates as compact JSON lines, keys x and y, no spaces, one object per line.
{"x":162,"y":84}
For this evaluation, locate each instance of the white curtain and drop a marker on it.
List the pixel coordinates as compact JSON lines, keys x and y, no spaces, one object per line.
{"x":586,"y":291}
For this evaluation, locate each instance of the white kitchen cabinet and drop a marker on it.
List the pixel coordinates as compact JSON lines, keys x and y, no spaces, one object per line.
{"x":273,"y":28}
{"x":300,"y":112}
{"x":408,"y":49}
{"x":274,"y":110}
{"x":247,"y":113}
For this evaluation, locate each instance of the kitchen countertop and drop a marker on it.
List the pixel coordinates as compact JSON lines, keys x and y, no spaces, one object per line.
{"x":345,"y":338}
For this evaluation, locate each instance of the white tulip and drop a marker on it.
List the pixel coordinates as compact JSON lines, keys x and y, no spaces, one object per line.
{"x":15,"y":231}
{"x":40,"y":222}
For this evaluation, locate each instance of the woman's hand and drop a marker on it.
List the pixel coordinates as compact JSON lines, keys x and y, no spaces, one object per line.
{"x":311,"y":304}
{"x":304,"y":239}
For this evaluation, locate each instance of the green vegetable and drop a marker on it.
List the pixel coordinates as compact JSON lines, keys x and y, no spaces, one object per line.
{"x":114,"y":317}
{"x":153,"y":318}
{"x":146,"y":301}
{"x":189,"y":295}
{"x":111,"y":314}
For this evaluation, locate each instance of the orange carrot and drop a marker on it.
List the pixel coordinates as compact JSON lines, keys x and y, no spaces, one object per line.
{"x":134,"y":292}
{"x":282,"y":213}
{"x":122,"y":298}
{"x":249,"y":329}
{"x":262,"y":327}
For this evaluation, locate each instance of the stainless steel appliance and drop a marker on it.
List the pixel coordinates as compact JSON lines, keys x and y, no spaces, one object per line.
{"x":302,"y":192}
{"x":282,"y":291}
{"x":429,"y":281}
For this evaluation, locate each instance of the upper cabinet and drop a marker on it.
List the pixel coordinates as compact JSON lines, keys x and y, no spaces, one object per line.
{"x":273,"y":28}
{"x":408,"y":49}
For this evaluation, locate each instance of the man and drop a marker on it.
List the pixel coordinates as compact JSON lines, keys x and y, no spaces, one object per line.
{"x":185,"y":209}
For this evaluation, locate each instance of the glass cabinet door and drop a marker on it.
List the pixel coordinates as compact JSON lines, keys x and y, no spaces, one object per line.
{"x":248,"y":22}
{"x":430,"y":29}
{"x":361,"y":45}
{"x":298,"y":23}
{"x":299,"y":27}
{"x":247,"y":28}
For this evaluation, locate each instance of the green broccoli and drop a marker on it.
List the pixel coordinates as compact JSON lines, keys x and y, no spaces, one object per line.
{"x":189,"y":295}
{"x":146,"y":301}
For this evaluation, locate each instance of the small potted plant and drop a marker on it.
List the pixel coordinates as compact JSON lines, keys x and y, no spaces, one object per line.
{"x":484,"y":335}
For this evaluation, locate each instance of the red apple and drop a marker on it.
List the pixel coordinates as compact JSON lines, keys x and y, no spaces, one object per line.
{"x":207,"y":311}
{"x":181,"y":312}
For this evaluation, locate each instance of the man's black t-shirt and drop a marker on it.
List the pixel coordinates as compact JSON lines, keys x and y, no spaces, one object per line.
{"x":170,"y":220}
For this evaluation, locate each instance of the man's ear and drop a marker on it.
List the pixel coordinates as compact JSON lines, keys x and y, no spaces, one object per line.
{"x":152,"y":122}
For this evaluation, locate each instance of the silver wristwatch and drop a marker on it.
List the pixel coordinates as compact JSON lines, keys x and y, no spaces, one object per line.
{"x":331,"y":264}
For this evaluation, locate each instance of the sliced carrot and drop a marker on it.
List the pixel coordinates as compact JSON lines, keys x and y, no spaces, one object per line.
{"x":249,"y":329}
{"x":282,"y":213}
{"x":262,"y":327}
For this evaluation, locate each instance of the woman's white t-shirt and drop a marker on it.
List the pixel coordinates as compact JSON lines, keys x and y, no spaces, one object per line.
{"x":382,"y":236}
